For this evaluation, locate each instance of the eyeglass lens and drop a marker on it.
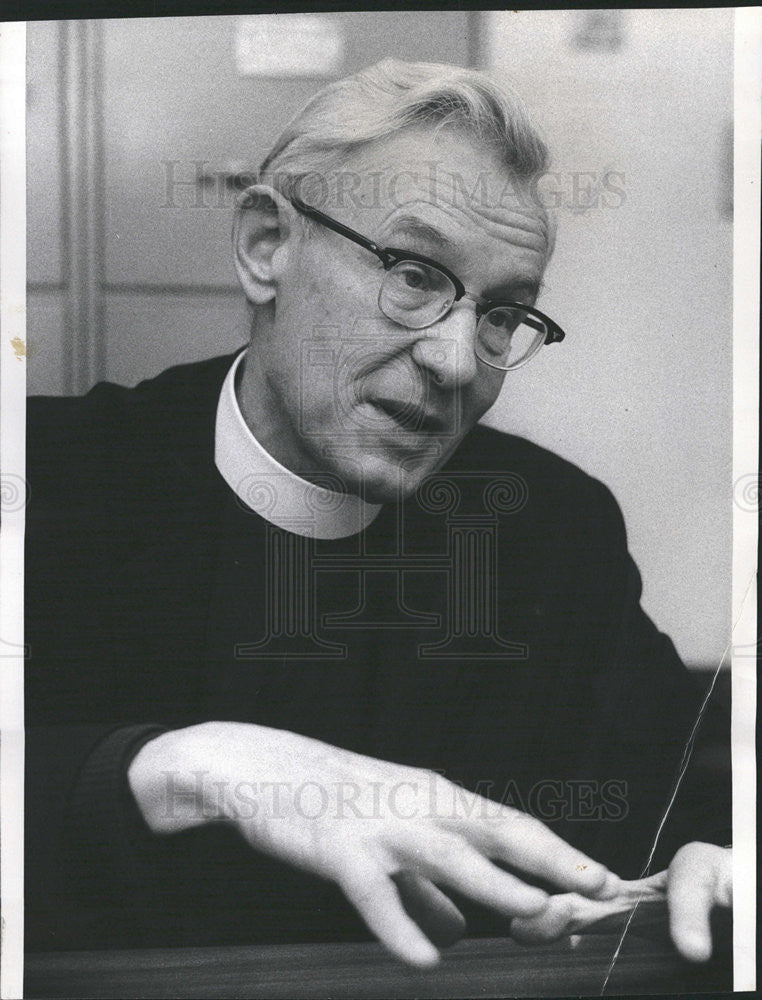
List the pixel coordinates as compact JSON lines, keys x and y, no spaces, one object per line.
{"x":416,"y":295}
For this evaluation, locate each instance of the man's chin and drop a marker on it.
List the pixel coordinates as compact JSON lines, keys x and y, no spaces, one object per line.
{"x":379,"y":473}
{"x":389,"y":482}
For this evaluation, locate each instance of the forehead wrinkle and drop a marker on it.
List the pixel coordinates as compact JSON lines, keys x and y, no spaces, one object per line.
{"x":507,"y":229}
{"x":510,"y":195}
{"x":514,"y":216}
{"x":515,"y":210}
{"x":496,"y":225}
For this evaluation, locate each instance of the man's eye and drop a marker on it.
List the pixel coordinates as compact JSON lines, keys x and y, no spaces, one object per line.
{"x":415,"y":277}
{"x":502,"y":320}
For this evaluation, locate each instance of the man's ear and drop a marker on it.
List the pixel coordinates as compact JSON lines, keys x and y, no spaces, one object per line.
{"x":263,"y":231}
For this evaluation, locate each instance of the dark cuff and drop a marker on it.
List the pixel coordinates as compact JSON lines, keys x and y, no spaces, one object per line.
{"x":106,"y":841}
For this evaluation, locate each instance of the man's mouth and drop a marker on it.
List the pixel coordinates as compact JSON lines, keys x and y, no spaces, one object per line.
{"x":409,"y":416}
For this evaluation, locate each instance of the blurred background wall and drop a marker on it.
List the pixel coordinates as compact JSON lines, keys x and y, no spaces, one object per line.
{"x":135,"y":128}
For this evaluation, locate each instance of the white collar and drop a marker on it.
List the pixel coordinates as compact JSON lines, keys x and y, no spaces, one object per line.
{"x":274,"y":492}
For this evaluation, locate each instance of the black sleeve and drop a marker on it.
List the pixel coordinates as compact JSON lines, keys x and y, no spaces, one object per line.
{"x":85,"y":838}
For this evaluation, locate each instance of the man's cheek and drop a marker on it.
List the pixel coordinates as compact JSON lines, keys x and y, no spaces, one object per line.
{"x":322,"y":414}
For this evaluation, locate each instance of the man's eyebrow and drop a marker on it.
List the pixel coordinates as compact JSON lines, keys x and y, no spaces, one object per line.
{"x":514,"y":291}
{"x":411,"y":225}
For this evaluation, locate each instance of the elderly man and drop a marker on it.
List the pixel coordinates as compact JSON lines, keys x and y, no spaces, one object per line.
{"x":307,"y":642}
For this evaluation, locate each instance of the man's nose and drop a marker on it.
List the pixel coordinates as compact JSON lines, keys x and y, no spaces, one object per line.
{"x":446,"y":348}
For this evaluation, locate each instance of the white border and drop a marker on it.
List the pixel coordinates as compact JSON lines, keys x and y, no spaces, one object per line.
{"x":746,"y":259}
{"x":12,"y":466}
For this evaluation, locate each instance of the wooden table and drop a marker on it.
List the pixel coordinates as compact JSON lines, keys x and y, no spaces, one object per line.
{"x":473,"y":968}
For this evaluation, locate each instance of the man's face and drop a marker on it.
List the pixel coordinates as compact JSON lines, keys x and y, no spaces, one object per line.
{"x":344,"y":389}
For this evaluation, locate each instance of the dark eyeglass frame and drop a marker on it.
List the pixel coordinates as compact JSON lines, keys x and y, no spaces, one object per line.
{"x":389,"y":256}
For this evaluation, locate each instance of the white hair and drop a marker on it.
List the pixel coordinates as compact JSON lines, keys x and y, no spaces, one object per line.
{"x":392,"y":95}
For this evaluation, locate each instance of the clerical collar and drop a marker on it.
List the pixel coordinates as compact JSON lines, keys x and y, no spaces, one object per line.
{"x":272,"y":491}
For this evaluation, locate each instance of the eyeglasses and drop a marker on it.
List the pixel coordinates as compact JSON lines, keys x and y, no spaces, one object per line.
{"x":416,"y":291}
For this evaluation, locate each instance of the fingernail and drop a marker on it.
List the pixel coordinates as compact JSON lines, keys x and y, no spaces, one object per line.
{"x":609,"y":884}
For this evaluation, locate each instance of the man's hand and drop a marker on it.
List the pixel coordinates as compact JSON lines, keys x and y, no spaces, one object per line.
{"x":699,"y":878}
{"x":383,"y":832}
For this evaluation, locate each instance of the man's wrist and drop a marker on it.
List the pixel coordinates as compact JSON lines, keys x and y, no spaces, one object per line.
{"x":172,"y":789}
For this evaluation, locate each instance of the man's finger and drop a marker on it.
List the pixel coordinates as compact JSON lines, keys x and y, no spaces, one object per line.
{"x":433,"y":911}
{"x":691,"y":896}
{"x":527,"y":844}
{"x":374,"y":896}
{"x":553,"y":923}
{"x":449,"y":860}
